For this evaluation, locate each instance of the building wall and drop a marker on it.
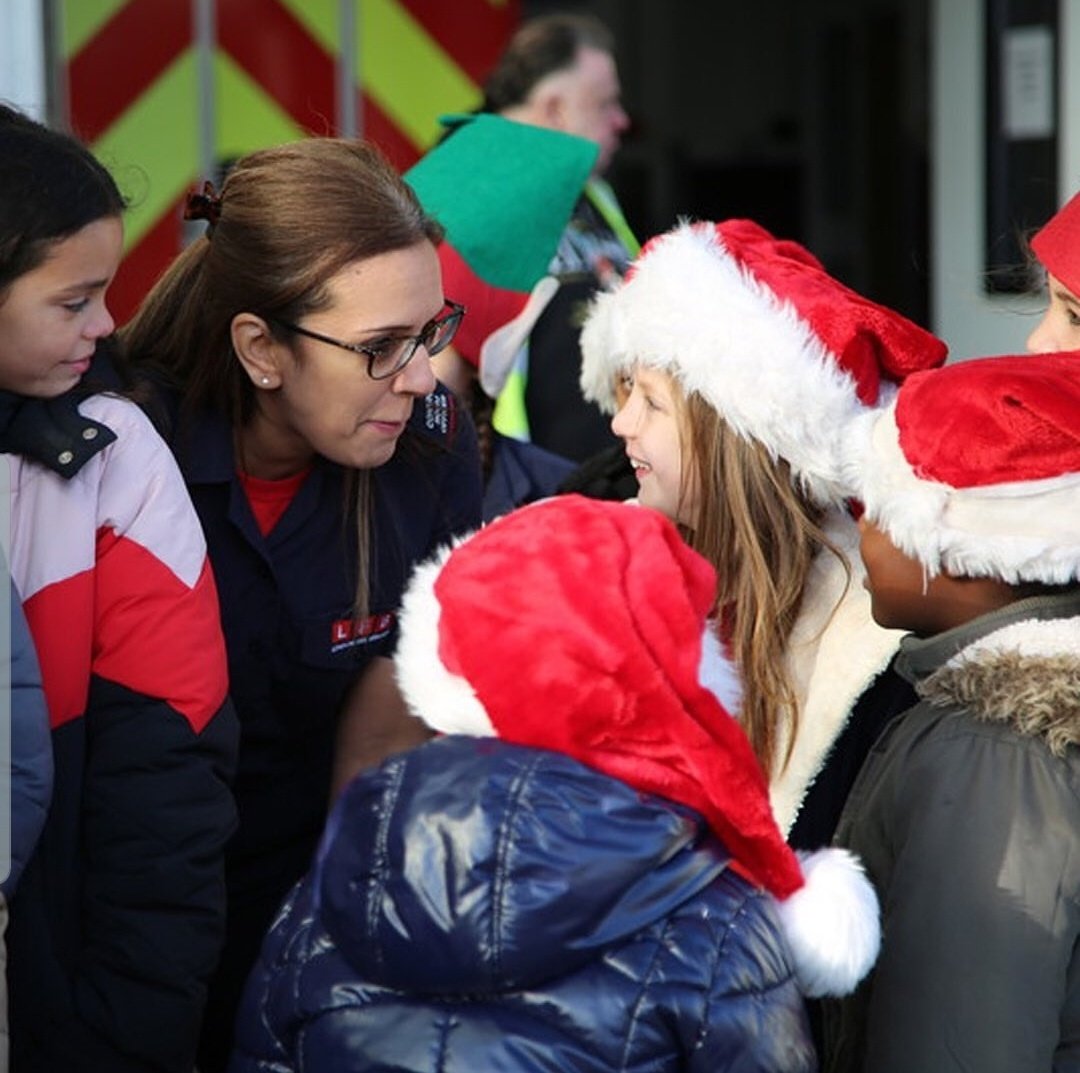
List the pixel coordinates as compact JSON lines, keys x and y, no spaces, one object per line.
{"x":971,"y":321}
{"x":22,"y":61}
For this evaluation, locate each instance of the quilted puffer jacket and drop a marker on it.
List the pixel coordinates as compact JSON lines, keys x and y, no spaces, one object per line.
{"x":477,"y":906}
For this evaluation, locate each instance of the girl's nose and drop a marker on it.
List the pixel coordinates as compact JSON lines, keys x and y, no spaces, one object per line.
{"x":621,"y":423}
{"x":101,"y":324}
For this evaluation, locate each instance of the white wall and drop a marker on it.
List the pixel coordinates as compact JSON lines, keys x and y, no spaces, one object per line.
{"x":22,"y":56}
{"x":1069,"y":68}
{"x":972,"y":322}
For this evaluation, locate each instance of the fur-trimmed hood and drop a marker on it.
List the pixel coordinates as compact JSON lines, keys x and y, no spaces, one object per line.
{"x":1026,"y":673}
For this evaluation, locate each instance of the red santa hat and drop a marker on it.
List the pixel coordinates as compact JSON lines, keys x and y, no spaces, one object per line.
{"x":1057,"y":245}
{"x":974,"y":469}
{"x":577,"y":625}
{"x":755,"y":325}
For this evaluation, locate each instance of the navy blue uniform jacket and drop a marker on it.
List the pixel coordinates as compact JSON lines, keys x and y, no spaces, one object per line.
{"x":286,"y":604}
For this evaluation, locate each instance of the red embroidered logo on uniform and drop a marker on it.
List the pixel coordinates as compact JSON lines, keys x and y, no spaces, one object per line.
{"x":346,"y":632}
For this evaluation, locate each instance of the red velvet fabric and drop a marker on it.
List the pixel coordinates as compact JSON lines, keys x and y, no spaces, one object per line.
{"x":579,"y":624}
{"x":993,"y":420}
{"x":870,"y":341}
{"x":1057,"y":245}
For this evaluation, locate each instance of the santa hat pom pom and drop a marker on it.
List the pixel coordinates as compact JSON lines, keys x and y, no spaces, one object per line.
{"x":832,"y":924}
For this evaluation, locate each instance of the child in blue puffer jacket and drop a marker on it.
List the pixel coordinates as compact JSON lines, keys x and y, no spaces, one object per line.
{"x":584,"y":873}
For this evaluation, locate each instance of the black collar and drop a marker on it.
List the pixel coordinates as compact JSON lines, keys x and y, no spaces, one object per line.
{"x":51,"y":431}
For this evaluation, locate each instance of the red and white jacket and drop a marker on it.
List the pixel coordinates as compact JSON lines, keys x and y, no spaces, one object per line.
{"x":118,"y":921}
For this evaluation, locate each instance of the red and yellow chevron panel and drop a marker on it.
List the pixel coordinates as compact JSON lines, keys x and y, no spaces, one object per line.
{"x":136,"y":73}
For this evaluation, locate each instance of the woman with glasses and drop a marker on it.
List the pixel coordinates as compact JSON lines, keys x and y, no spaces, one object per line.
{"x":293,"y":343}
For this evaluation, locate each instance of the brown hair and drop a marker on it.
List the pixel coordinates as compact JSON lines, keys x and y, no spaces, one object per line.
{"x":482,"y":410}
{"x":762,"y":535}
{"x":541,"y":47}
{"x":291,"y":218}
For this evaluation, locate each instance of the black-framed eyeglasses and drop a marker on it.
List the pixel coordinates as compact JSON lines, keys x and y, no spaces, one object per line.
{"x":387,"y":357}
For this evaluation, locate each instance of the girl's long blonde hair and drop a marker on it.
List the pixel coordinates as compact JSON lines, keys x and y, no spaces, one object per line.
{"x":762,"y":534}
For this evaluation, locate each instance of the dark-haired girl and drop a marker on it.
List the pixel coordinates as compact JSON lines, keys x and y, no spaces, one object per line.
{"x":118,"y":919}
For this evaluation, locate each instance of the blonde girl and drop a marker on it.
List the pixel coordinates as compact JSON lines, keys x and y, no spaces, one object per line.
{"x":734,"y":364}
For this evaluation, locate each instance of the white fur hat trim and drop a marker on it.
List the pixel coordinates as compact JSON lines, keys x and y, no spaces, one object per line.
{"x":444,"y":701}
{"x":691,"y":309}
{"x":1019,"y":531}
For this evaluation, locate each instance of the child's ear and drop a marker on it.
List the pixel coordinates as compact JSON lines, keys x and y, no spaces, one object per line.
{"x":257,"y":350}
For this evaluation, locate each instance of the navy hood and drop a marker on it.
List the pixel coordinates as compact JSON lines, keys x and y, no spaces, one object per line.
{"x":473,"y":866}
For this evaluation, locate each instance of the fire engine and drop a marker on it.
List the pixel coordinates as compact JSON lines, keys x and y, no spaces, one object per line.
{"x":168,"y":92}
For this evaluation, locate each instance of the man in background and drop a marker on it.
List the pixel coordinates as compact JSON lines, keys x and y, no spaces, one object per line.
{"x":559,"y":71}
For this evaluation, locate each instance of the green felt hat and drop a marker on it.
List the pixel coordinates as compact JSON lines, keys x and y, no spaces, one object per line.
{"x":504,"y":192}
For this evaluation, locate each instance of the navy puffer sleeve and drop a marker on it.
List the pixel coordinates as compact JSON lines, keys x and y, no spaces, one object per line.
{"x":31,"y":748}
